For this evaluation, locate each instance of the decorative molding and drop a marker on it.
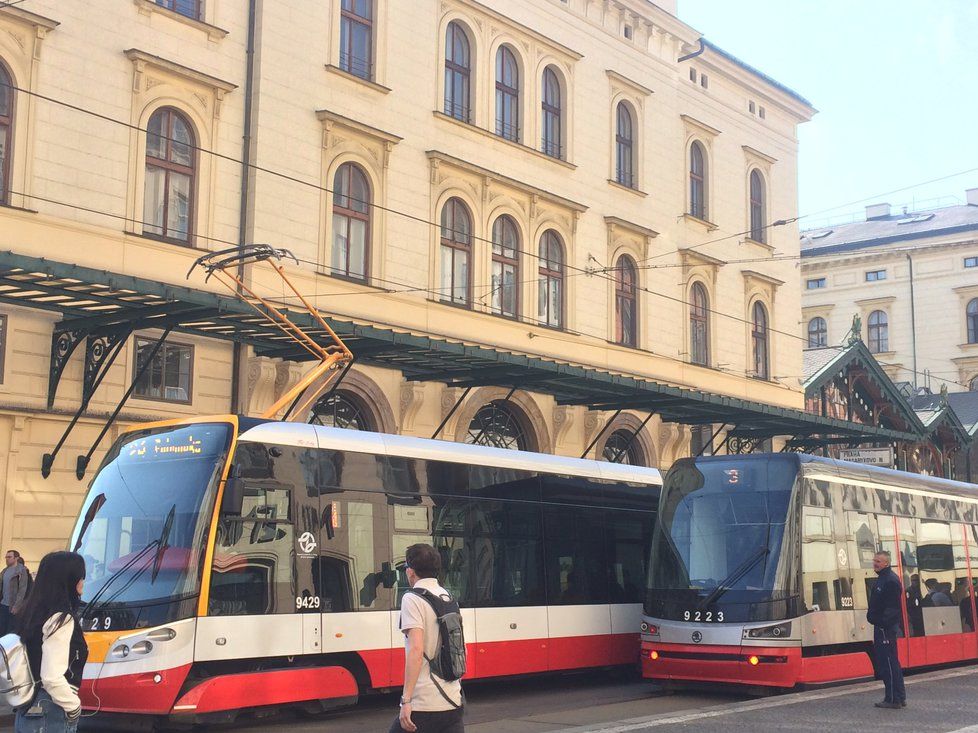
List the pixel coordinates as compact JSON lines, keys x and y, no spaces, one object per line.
{"x":378,"y":143}
{"x":411,"y":399}
{"x":563,"y":419}
{"x":753,"y":153}
{"x":262,"y":374}
{"x":498,"y":23}
{"x":632,"y":86}
{"x":343,"y":74}
{"x":142,"y":62}
{"x":436,"y":158}
{"x":694,"y":124}
{"x":149,"y":7}
{"x":870,"y":302}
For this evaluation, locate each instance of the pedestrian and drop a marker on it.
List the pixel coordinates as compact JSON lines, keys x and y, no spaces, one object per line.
{"x":13,"y":589}
{"x":56,"y":647}
{"x":885,"y":614}
{"x":428,"y":704}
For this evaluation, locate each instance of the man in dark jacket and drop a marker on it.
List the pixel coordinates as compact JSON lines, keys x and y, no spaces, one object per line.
{"x":886,"y":614}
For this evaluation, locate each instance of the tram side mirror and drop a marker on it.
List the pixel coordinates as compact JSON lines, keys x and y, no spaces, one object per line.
{"x":233,"y":499}
{"x":388,"y":575}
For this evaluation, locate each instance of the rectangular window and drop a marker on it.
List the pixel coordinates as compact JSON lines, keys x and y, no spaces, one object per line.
{"x":189,"y":8}
{"x":356,"y":38}
{"x":875,"y":275}
{"x":169,"y":377}
{"x":971,"y":261}
{"x":816,"y":283}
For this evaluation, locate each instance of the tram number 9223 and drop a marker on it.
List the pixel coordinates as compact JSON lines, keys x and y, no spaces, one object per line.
{"x":707,"y":616}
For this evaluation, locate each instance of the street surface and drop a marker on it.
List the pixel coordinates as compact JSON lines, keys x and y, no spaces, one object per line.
{"x":944,"y":701}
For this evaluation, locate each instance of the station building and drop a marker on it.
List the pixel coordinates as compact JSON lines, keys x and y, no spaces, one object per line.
{"x":556,"y":225}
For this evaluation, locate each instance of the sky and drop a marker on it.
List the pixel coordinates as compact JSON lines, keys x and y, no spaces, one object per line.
{"x":895,"y":83}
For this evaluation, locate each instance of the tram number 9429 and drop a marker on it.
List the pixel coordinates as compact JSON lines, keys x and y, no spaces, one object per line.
{"x":707,"y":616}
{"x":306,"y":602}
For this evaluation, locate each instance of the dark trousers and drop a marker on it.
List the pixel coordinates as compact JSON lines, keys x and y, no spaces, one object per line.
{"x":6,"y":620}
{"x":445,"y":721}
{"x":887,"y":664}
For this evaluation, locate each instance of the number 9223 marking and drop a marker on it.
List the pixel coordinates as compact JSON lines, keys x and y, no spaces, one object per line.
{"x":707,"y":616}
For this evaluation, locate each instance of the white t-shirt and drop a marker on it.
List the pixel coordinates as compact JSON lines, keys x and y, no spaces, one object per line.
{"x":417,"y":613}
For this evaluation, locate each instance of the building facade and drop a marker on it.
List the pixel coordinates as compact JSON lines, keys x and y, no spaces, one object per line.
{"x":584,"y":182}
{"x":911,"y":279}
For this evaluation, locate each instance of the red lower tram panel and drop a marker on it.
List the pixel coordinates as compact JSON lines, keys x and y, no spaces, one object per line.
{"x":749,"y":665}
{"x":146,"y":693}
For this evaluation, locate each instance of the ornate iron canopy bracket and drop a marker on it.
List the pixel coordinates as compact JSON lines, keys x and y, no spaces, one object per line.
{"x":63,"y":343}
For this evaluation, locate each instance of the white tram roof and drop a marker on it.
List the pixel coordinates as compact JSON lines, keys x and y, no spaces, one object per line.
{"x":357,"y":441}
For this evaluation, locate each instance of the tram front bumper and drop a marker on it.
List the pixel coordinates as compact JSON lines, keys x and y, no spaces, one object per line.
{"x":738,"y":665}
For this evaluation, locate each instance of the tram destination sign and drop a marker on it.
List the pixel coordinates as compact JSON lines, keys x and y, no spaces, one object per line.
{"x":872,"y":456}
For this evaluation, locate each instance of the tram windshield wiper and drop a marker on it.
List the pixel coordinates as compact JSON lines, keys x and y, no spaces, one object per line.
{"x":724,"y":585}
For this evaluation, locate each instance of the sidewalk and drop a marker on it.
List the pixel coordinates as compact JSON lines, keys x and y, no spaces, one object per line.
{"x":944,"y":701}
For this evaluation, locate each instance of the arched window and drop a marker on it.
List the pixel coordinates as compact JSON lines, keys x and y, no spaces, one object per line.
{"x":551,"y":294}
{"x":552,"y":142}
{"x":458,"y":71}
{"x":342,"y":410}
{"x":759,"y":338}
{"x":170,"y":176}
{"x":507,"y":95}
{"x":879,"y":332}
{"x":699,"y":325}
{"x":624,"y":146}
{"x":456,"y":252}
{"x":818,"y":333}
{"x":505,"y":267}
{"x":356,"y":37}
{"x":6,"y":132}
{"x":498,"y":425}
{"x":626,"y":301}
{"x":972,"y":316}
{"x":758,"y":228}
{"x":622,"y":446}
{"x":697,"y":181}
{"x":974,"y":385}
{"x":351,"y":222}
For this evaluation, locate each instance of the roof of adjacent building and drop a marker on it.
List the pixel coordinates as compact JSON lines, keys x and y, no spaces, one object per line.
{"x":965,"y":404}
{"x":933,"y":410}
{"x":885,"y":230}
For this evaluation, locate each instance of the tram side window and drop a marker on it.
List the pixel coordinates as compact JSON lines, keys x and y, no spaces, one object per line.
{"x":972,"y":591}
{"x":961,"y":593}
{"x":862,"y":546}
{"x":507,"y":554}
{"x":253,"y":556}
{"x":819,"y":561}
{"x":935,"y":558}
{"x":353,"y":565}
{"x":907,"y":531}
{"x":576,"y":555}
{"x":629,"y":539}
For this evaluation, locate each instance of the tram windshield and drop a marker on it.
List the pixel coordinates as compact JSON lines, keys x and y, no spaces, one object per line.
{"x":717,"y":547}
{"x":141,"y":529}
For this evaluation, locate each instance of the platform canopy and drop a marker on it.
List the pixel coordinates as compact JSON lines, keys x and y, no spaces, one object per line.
{"x":104,"y":307}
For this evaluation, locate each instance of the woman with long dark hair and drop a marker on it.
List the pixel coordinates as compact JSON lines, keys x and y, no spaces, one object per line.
{"x":56,"y":647}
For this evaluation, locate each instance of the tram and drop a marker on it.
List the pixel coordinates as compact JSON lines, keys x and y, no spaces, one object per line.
{"x":762,"y":566}
{"x":237,"y":563}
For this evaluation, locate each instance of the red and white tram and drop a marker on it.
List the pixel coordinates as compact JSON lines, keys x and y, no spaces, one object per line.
{"x":237,"y":563}
{"x":761,"y":569}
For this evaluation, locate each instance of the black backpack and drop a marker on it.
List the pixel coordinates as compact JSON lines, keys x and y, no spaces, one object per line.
{"x":449,"y":661}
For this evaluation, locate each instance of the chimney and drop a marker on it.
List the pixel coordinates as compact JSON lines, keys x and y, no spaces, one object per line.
{"x":877,"y":211}
{"x":971,"y":194}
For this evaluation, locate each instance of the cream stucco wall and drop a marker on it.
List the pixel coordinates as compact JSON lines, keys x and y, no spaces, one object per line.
{"x":77,"y":188}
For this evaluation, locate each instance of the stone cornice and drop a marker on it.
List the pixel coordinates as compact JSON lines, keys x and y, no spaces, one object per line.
{"x":632,"y":86}
{"x":143,"y":58}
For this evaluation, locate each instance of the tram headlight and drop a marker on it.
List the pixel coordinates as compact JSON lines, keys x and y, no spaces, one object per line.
{"x":776,"y":631}
{"x":121,"y":651}
{"x":142,"y":647}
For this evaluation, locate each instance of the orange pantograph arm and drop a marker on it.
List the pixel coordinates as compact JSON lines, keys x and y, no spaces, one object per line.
{"x":333,"y":356}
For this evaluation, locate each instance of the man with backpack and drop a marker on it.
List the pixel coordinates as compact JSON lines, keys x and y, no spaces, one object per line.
{"x":431,"y":701}
{"x":13,"y":589}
